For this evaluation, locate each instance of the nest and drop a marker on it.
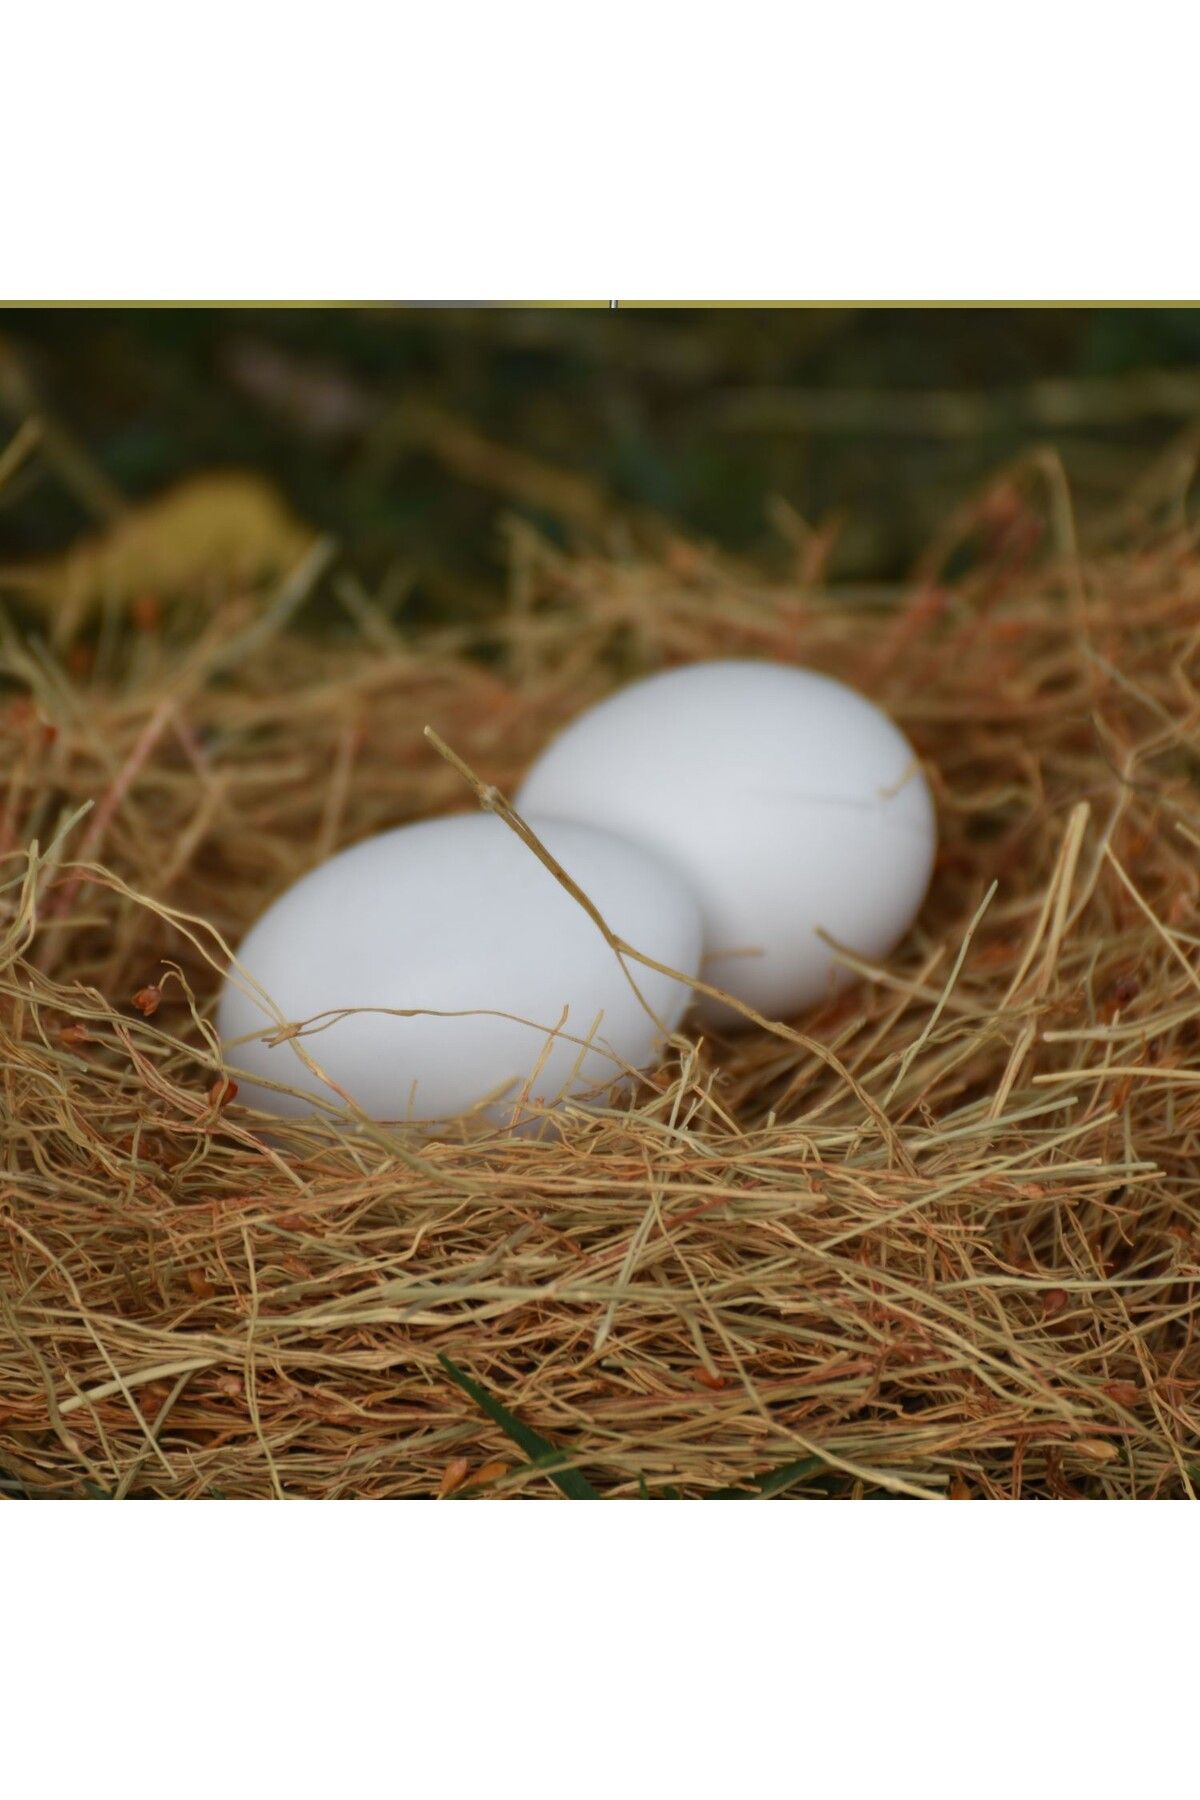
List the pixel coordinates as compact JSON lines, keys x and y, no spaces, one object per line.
{"x":940,"y":1239}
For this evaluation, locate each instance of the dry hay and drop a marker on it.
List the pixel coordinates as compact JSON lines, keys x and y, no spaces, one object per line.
{"x":940,"y":1239}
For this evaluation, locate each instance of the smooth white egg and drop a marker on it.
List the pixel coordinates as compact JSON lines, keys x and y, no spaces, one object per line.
{"x":458,"y":917}
{"x":788,"y":802}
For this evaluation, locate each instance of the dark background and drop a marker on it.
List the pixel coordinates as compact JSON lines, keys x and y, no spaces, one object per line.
{"x":409,"y":432}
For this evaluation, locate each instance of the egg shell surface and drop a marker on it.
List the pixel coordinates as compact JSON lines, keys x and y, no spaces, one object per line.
{"x":458,"y":916}
{"x":789,"y":802}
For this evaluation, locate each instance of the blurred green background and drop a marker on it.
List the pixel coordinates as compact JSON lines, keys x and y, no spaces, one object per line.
{"x":409,"y":432}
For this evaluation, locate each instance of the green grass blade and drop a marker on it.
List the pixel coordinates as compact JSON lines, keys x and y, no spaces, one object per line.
{"x":776,"y":1481}
{"x":540,"y":1451}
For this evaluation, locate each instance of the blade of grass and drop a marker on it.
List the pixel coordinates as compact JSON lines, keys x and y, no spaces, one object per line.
{"x":776,"y":1481}
{"x":540,"y":1451}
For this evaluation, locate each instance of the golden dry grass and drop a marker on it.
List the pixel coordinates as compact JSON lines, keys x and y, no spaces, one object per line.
{"x":941,"y":1239}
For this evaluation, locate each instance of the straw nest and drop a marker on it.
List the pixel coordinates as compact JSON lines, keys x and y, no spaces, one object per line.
{"x":940,"y":1239}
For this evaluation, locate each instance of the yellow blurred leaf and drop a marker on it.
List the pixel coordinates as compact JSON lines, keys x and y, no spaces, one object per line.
{"x":230,"y":526}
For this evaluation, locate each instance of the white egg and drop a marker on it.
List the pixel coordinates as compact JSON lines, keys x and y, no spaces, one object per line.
{"x":788,"y":802}
{"x":457,"y":916}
